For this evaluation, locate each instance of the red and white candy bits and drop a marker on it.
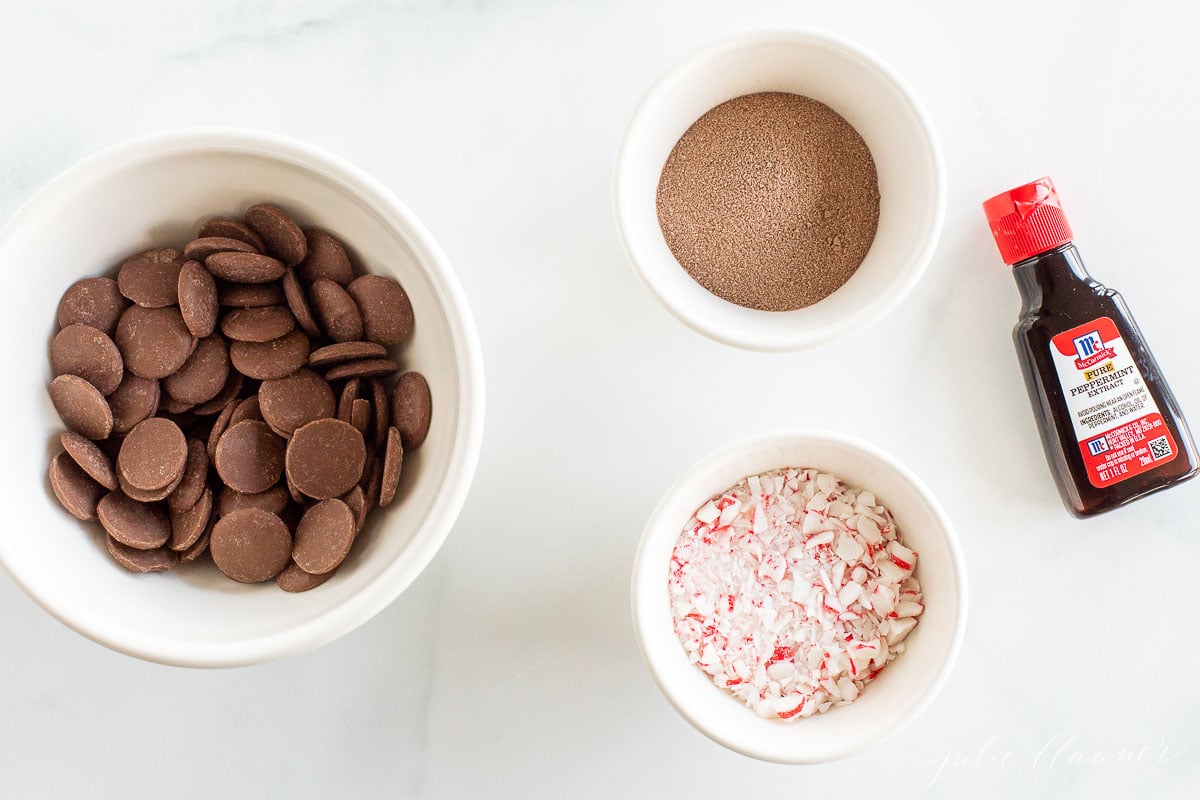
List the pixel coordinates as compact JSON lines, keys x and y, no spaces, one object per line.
{"x":793,"y":591}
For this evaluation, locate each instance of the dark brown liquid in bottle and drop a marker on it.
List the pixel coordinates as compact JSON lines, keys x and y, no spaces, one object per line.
{"x":1058,"y":295}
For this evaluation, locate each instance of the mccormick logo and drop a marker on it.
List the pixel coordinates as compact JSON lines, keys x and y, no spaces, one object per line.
{"x":1090,"y":350}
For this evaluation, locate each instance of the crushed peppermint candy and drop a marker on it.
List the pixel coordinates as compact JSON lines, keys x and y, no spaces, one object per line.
{"x":793,"y":590}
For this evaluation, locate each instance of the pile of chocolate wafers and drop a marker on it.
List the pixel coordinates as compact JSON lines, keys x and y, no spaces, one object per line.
{"x":236,"y":399}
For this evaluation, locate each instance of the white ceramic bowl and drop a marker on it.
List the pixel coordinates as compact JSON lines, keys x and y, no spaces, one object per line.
{"x":155,"y":191}
{"x":892,"y":700}
{"x":872,"y":98}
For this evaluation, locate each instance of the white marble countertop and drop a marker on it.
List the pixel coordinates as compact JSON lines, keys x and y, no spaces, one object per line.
{"x":509,"y":669}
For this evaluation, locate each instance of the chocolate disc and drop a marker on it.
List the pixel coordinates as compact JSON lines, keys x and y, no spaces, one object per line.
{"x":151,"y":279}
{"x":170,"y":406}
{"x":203,"y":375}
{"x":154,"y":341}
{"x":250,"y":545}
{"x":81,"y":406}
{"x":326,"y":259}
{"x":345,"y":351}
{"x":412,"y":408}
{"x":249,"y":295}
{"x":270,"y":360}
{"x":144,"y":495}
{"x":158,"y":560}
{"x":364,"y":368}
{"x":387,"y":313}
{"x":187,"y":526}
{"x":274,"y":500}
{"x":141,"y":526}
{"x":153,"y":455}
{"x":232,"y":229}
{"x":205,"y":246}
{"x":261,"y":324}
{"x":246,"y":409}
{"x":325,"y":458}
{"x":90,"y":458}
{"x":336,"y":311}
{"x":244,"y":267}
{"x":282,"y":235}
{"x":197,"y":299}
{"x":97,"y":302}
{"x":220,"y":425}
{"x":393,"y":459}
{"x":298,"y":303}
{"x":324,"y":536}
{"x":288,"y":403}
{"x":249,"y":457}
{"x":87,"y":352}
{"x":293,"y":579}
{"x":228,"y":393}
{"x":350,"y":392}
{"x":133,"y":401}
{"x":356,"y":498}
{"x":201,"y":545}
{"x":360,"y":416}
{"x":383,"y":411}
{"x":195,"y":478}
{"x":77,"y":492}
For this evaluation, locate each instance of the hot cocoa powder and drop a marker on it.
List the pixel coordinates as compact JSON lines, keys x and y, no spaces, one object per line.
{"x":770,"y":201}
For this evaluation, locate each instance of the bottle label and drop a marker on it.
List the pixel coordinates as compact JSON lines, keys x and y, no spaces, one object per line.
{"x":1117,"y":423}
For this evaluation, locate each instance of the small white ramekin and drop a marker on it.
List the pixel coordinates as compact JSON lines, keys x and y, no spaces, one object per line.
{"x":871,"y":97}
{"x":155,"y":191}
{"x":892,"y":700}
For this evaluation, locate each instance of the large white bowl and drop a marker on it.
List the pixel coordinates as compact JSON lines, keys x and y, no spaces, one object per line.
{"x":153,"y":192}
{"x":851,"y":81}
{"x":891,"y":701}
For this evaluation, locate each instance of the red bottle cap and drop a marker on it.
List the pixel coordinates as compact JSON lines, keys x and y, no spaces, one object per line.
{"x":1027,"y":220}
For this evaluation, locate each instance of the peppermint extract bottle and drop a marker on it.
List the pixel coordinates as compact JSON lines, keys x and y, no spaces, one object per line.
{"x":1109,"y":423}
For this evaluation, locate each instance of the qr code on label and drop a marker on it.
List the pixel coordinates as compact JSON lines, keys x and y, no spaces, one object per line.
{"x":1160,"y":448}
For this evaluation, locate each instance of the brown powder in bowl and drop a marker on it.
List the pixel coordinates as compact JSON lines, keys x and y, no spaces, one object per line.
{"x":770,"y":201}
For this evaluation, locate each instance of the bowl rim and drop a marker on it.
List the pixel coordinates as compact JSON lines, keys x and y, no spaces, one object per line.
{"x":786,"y":335}
{"x":373,"y":597}
{"x":642,"y":607}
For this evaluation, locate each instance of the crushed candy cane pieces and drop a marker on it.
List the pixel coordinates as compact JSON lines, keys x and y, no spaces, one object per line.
{"x":792,"y":591}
